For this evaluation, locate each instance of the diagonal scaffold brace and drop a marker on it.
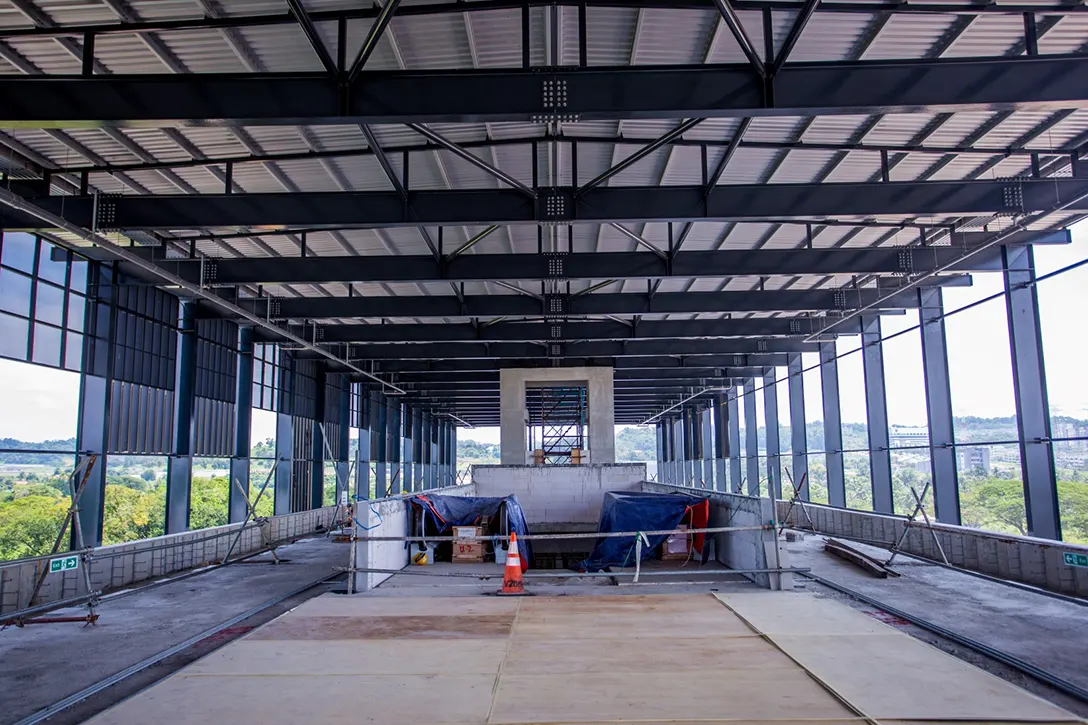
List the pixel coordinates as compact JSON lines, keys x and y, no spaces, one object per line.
{"x":919,"y":508}
{"x":81,"y":474}
{"x":251,"y":515}
{"x":796,"y":500}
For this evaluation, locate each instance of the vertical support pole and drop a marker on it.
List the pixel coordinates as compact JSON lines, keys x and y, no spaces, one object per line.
{"x":774,"y":448}
{"x":179,"y":466}
{"x":942,"y":454}
{"x":285,"y":437}
{"x":876,"y":414}
{"x":363,"y":455}
{"x":664,"y":472}
{"x":689,"y":446}
{"x":735,"y":473}
{"x":829,"y":383}
{"x":706,"y":446}
{"x":659,"y":449}
{"x":798,"y":437}
{"x":417,"y":449}
{"x":380,"y":445}
{"x":677,"y":428}
{"x":343,"y":467}
{"x":317,"y":455}
{"x":453,"y":453}
{"x":751,"y":438}
{"x":408,"y":466}
{"x":393,"y":444}
{"x":95,"y":396}
{"x":1029,"y":384}
{"x":721,"y":442}
{"x":436,"y":459}
{"x":243,"y":418}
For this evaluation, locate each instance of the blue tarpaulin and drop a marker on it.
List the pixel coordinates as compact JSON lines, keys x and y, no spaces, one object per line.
{"x":441,"y":513}
{"x":624,"y":511}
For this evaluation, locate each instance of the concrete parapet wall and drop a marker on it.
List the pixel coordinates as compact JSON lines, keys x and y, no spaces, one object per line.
{"x":1024,"y":559}
{"x":388,"y":517}
{"x":740,"y":549}
{"x":559,"y":494}
{"x":120,"y":565}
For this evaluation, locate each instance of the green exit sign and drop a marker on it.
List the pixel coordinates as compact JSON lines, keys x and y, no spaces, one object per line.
{"x":1075,"y":559}
{"x":66,"y":563}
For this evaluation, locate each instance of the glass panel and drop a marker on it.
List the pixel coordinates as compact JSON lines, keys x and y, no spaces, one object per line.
{"x":262,"y":459}
{"x":49,"y":304}
{"x":817,"y":478}
{"x":76,"y":311}
{"x":904,"y":380}
{"x":34,"y":499}
{"x":73,"y":351}
{"x":46,"y":345}
{"x":814,"y":402}
{"x":208,"y":498}
{"x":761,"y":439}
{"x":18,"y":251}
{"x":991,"y":490}
{"x":14,"y":292}
{"x":135,"y":504}
{"x":910,"y":468}
{"x":53,"y":271}
{"x":1071,"y":460}
{"x":979,"y":362}
{"x":78,"y":281}
{"x":329,"y":490}
{"x":859,"y":483}
{"x":13,"y":336}
{"x":782,"y":388}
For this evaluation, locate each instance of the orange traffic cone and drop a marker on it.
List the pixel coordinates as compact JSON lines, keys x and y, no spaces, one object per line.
{"x":511,"y":577}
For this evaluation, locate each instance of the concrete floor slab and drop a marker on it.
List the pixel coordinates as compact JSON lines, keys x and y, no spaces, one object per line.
{"x":339,"y":605}
{"x":41,"y":664}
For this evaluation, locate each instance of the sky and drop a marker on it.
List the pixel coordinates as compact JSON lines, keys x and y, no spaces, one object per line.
{"x":39,"y":403}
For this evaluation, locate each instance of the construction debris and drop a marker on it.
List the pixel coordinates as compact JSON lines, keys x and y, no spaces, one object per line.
{"x":858,"y":558}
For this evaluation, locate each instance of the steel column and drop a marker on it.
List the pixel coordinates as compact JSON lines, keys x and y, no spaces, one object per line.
{"x":179,"y":466}
{"x":394,"y":442}
{"x":721,"y":442}
{"x":706,"y":447}
{"x":829,"y":384}
{"x":798,"y":432}
{"x":735,"y":473}
{"x":1029,"y":384}
{"x":380,"y":445}
{"x":363,"y":453}
{"x":408,"y":464}
{"x":876,"y":418}
{"x":774,"y":450}
{"x":453,"y":453}
{"x":751,"y":438}
{"x":942,"y":454}
{"x":95,"y":396}
{"x":659,"y":454}
{"x":343,"y":467}
{"x":417,"y":448}
{"x":243,"y":420}
{"x":317,"y":457}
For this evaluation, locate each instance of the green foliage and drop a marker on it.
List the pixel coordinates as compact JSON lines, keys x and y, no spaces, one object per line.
{"x":148,"y":474}
{"x":476,"y":452}
{"x":636,"y":443}
{"x":29,"y":525}
{"x":131,"y":514}
{"x":209,"y":502}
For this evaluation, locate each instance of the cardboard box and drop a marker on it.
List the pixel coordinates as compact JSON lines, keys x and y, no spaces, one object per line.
{"x":677,"y":547}
{"x":467,"y":551}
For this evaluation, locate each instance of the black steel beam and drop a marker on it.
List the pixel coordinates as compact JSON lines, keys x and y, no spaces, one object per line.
{"x":370,"y":11}
{"x":464,"y":96}
{"x":570,"y":331}
{"x":593,"y":266}
{"x":660,"y":362}
{"x":735,"y":202}
{"x":312,"y":308}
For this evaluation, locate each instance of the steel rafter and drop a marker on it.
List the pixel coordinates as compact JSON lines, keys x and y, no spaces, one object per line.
{"x":807,"y":89}
{"x":601,"y":205}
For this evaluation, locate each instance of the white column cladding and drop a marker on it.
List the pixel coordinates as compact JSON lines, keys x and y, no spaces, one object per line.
{"x":513,"y":416}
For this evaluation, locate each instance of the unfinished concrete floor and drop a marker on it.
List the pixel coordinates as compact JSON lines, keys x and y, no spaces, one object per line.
{"x":42,"y":664}
{"x":1045,"y":631}
{"x":469,"y":660}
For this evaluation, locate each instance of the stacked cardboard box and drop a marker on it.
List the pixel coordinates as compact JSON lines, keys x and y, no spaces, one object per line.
{"x":467,"y":551}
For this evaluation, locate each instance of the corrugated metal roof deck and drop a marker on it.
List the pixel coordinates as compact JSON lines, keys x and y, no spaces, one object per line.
{"x":772,"y":151}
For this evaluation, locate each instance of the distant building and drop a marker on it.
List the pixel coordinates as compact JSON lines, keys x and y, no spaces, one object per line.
{"x":973,"y":459}
{"x":903,"y":436}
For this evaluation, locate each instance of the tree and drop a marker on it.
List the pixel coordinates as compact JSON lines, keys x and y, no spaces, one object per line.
{"x":132,"y":514}
{"x":29,"y":525}
{"x":148,"y":474}
{"x":209,"y":502}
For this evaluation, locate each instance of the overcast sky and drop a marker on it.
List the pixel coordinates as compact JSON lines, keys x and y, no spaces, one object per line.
{"x":39,"y":403}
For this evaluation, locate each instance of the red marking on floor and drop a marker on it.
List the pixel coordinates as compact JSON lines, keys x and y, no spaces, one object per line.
{"x":227,"y":634}
{"x":887,"y":618}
